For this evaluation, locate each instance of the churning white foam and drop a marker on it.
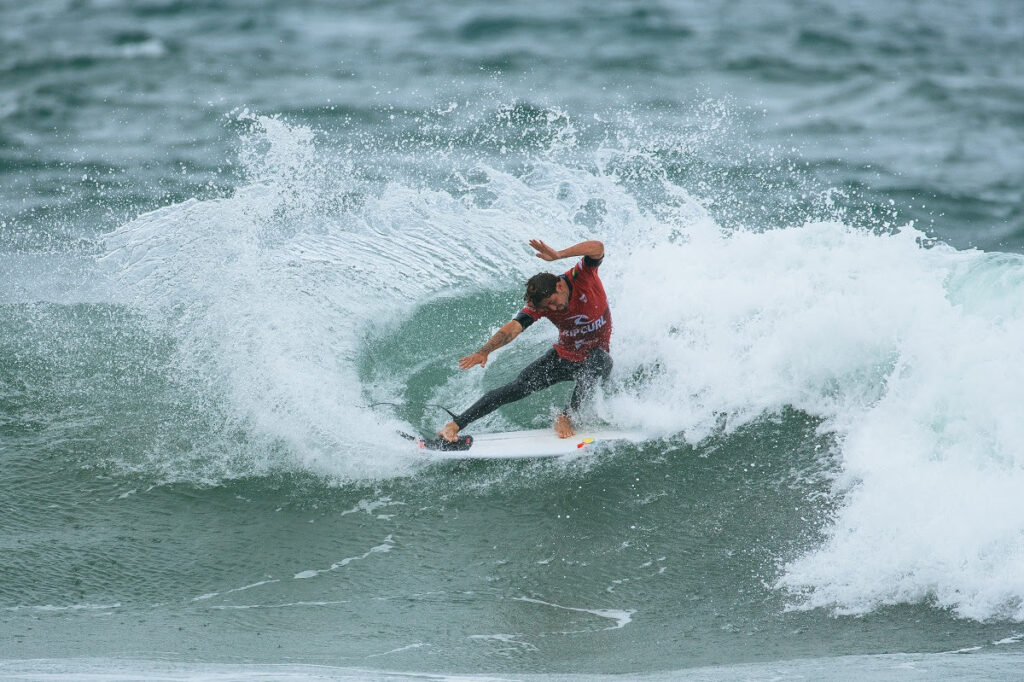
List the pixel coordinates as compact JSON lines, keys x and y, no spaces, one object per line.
{"x":912,"y":356}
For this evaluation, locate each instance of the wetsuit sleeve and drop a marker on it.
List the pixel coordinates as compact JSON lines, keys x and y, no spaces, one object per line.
{"x":527,"y":316}
{"x":589,"y":262}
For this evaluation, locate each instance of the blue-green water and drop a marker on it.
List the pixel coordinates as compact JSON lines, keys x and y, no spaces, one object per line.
{"x":228,"y":231}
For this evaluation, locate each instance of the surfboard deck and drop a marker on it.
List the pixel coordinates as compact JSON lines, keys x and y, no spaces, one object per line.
{"x":533,"y":444}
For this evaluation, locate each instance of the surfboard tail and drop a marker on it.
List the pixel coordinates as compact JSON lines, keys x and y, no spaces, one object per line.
{"x":459,"y":444}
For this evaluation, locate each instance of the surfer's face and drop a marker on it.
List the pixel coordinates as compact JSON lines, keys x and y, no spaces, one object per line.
{"x":558,"y":301}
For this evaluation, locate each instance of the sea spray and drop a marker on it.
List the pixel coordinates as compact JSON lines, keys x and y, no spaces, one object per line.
{"x":269,"y":293}
{"x":869,"y":333}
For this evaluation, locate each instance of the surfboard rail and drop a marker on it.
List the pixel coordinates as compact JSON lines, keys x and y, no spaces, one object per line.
{"x":534,"y":443}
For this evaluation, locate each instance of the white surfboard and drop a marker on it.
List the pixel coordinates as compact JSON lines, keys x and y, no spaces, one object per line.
{"x":536,"y":443}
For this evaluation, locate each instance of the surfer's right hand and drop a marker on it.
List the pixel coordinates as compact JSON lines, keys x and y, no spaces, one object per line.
{"x":472,"y":360}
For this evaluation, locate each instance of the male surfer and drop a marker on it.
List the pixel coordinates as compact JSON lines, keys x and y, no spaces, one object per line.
{"x":576,"y":303}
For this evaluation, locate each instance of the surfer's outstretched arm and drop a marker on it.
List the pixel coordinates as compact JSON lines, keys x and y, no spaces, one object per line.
{"x":508,"y":331}
{"x":594,"y":249}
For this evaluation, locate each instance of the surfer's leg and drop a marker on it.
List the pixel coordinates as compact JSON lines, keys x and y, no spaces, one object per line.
{"x":591,"y":372}
{"x":543,"y":372}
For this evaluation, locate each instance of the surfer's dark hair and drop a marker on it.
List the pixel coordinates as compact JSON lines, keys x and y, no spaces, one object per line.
{"x":539,"y":287}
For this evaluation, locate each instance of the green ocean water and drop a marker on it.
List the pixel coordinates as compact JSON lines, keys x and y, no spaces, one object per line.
{"x":242,"y":246}
{"x":613,"y":565}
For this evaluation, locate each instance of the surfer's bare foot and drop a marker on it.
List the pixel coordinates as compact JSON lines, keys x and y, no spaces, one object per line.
{"x":450,"y":432}
{"x":563,"y":427}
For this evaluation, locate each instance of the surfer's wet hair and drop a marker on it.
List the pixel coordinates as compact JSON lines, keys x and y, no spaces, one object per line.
{"x":539,"y":287}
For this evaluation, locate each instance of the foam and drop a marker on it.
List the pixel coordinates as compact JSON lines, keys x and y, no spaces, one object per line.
{"x":914,"y":365}
{"x":385,"y":546}
{"x":622,"y":617}
{"x":943,"y":666}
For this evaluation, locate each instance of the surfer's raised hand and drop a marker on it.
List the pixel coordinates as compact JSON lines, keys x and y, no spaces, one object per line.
{"x":592,"y":248}
{"x":472,"y":360}
{"x":544,"y":251}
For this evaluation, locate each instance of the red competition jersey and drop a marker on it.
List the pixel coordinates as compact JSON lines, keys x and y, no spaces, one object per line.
{"x":587,"y":324}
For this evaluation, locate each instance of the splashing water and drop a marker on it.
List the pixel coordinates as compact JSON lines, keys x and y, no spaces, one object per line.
{"x":911,"y":354}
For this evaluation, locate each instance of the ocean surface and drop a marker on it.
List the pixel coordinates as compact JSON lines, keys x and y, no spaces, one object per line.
{"x":243,"y":244}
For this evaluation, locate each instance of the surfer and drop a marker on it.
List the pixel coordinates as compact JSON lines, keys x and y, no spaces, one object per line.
{"x":576,"y":303}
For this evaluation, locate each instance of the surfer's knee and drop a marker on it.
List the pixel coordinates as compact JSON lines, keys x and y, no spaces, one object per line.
{"x":530,"y":380}
{"x":517,"y":389}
